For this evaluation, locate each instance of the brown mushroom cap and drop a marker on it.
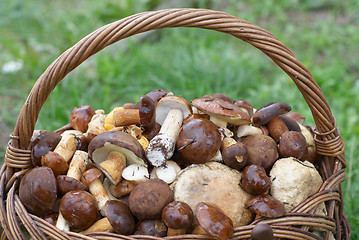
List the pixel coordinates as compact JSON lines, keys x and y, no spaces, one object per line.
{"x":266,"y":206}
{"x":235,"y":156}
{"x":120,"y":217}
{"x":66,"y":184}
{"x":220,"y":96}
{"x":198,"y":141}
{"x":148,"y":199}
{"x":147,"y":110}
{"x":214,"y":221}
{"x":101,"y":146}
{"x":293,"y":144}
{"x":222,"y":110}
{"x":79,"y":209}
{"x":170,"y":102}
{"x":151,"y":227}
{"x":277,"y":128}
{"x":81,"y":116}
{"x":156,"y":95}
{"x":255,"y":180}
{"x":56,"y":162}
{"x":296,"y":117}
{"x":245,"y":104}
{"x":262,"y":231}
{"x":177,"y":215}
{"x":91,"y":175}
{"x":262,"y":150}
{"x":267,"y":112}
{"x":292,"y":125}
{"x":46,"y":141}
{"x":38,"y":191}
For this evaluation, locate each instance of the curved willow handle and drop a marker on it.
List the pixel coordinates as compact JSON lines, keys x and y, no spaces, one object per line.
{"x":328,"y":139}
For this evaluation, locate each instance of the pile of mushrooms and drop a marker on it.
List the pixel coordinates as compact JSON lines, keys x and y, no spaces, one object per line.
{"x":166,"y":166}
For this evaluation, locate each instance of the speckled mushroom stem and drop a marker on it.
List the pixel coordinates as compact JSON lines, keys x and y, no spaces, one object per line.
{"x":113,"y":166}
{"x":67,"y":146}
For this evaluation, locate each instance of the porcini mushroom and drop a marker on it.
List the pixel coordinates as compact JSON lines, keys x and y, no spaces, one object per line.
{"x":112,"y":151}
{"x":46,"y":141}
{"x":234,"y":154}
{"x":118,"y":219}
{"x":151,"y":227}
{"x":266,"y":206}
{"x":198,"y":141}
{"x":177,"y":216}
{"x":67,"y":146}
{"x":170,"y":112}
{"x":148,"y":199}
{"x":255,"y":180}
{"x":54,"y":161}
{"x":214,"y":221}
{"x":264,"y":114}
{"x":293,"y":144}
{"x":80,"y":117}
{"x":262,"y":231}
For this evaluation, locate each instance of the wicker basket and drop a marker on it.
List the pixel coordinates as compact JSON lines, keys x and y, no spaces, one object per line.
{"x":15,"y":220}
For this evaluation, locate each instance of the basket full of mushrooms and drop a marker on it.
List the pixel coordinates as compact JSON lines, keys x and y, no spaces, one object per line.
{"x":167,"y":167}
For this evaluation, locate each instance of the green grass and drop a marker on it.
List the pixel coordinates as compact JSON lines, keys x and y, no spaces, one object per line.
{"x":324,"y":35}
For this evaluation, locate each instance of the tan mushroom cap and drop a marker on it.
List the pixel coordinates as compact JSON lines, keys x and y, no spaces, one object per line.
{"x":102,"y":145}
{"x":221,"y":109}
{"x":171,"y":102}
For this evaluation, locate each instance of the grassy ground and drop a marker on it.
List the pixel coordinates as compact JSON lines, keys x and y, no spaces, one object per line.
{"x":324,"y":35}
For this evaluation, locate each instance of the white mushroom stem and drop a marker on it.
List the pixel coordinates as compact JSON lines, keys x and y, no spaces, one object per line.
{"x":97,"y":124}
{"x":102,"y":225}
{"x":100,"y":193}
{"x":135,"y":173}
{"x":113,"y":166}
{"x":162,"y":146}
{"x":62,"y":223}
{"x":247,"y":130}
{"x":222,"y":125}
{"x":67,"y":146}
{"x":76,"y":168}
{"x":78,"y":165}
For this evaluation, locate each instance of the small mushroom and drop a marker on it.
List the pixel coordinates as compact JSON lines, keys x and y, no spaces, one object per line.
{"x":67,"y":146}
{"x":170,"y":112}
{"x":148,"y":199}
{"x":264,"y":114}
{"x":198,"y":141}
{"x":147,"y":112}
{"x":234,"y":154}
{"x":118,"y":219}
{"x":96,"y":126}
{"x":215,"y":183}
{"x":292,"y":125}
{"x":54,"y":161}
{"x":79,"y":209}
{"x":96,"y":188}
{"x":277,"y":127}
{"x":46,"y":141}
{"x":38,"y":191}
{"x":177,"y":216}
{"x":167,"y":172}
{"x":112,"y":151}
{"x":255,"y":180}
{"x":296,"y":116}
{"x":293,"y":181}
{"x":122,"y":189}
{"x":247,"y":130}
{"x":80,"y":117}
{"x":214,"y":221}
{"x":135,"y":173}
{"x":51,"y":218}
{"x":307,"y":134}
{"x":266,"y":206}
{"x":293,"y":144}
{"x":262,"y":150}
{"x":151,"y":227}
{"x":262,"y":231}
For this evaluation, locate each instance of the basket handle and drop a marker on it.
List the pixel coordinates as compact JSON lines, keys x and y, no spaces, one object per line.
{"x":328,"y":139}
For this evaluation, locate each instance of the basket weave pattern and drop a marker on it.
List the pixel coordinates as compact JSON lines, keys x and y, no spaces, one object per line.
{"x":328,"y":141}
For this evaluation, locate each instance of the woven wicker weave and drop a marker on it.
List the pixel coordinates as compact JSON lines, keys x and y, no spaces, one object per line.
{"x":328,"y":141}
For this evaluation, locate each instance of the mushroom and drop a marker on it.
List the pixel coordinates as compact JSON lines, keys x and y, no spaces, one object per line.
{"x":167,"y":172}
{"x":118,"y":219}
{"x":46,"y":141}
{"x":198,"y":141}
{"x":200,"y":183}
{"x":291,"y":124}
{"x":214,"y":221}
{"x":234,"y":154}
{"x":170,"y":112}
{"x":96,"y":126}
{"x":135,"y":173}
{"x":222,"y":112}
{"x":307,"y":134}
{"x":262,"y":231}
{"x":264,"y":114}
{"x":122,"y":189}
{"x":266,"y":206}
{"x":157,"y":95}
{"x":51,"y":218}
{"x":79,"y":209}
{"x":112,"y":151}
{"x":54,"y":161}
{"x":255,"y":180}
{"x":151,"y":227}
{"x":247,"y":130}
{"x":80,"y":117}
{"x":38,"y":192}
{"x":296,"y":117}
{"x":277,"y":127}
{"x":262,"y":150}
{"x":67,"y":146}
{"x":293,"y":144}
{"x":177,"y":216}
{"x":96,"y":188}
{"x":293,"y":181}
{"x":243,"y":104}
{"x":148,"y":199}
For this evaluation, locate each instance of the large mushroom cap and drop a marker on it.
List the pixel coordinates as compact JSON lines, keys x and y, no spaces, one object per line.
{"x":221,"y":109}
{"x":102,"y":145}
{"x":120,"y":217}
{"x":170,"y":102}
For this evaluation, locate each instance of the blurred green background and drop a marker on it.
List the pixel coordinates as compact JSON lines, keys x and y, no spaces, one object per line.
{"x":323,"y":34}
